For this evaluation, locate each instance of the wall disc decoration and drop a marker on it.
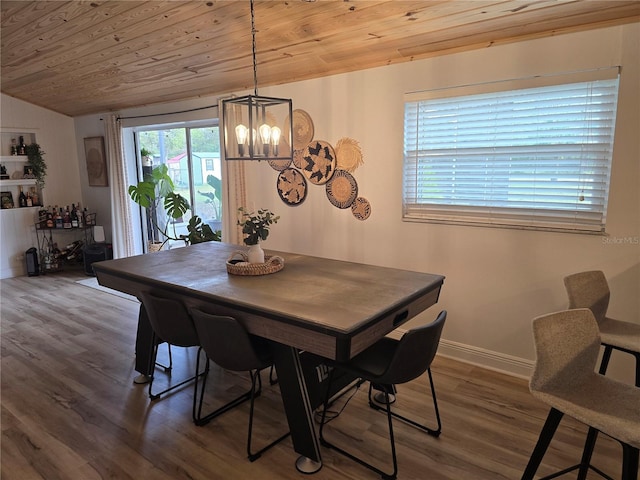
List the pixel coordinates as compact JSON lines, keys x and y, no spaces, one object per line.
{"x":279,"y":165}
{"x":318,"y":162}
{"x":342,"y":189}
{"x":298,"y":158}
{"x":361,"y":208}
{"x":348,"y":154}
{"x":292,"y":186}
{"x":302,"y":129}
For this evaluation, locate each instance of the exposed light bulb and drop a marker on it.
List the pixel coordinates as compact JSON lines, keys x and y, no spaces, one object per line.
{"x":275,"y":139}
{"x":241,"y":136}
{"x":265,"y":136}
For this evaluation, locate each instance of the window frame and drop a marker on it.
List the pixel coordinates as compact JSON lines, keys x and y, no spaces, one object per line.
{"x":501,"y":213}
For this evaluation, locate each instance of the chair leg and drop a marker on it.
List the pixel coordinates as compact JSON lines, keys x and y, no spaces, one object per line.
{"x":155,"y":396}
{"x":433,"y":432}
{"x":548,"y":430}
{"x":326,"y":443}
{"x":606,"y":356}
{"x":196,"y":411}
{"x":587,"y":452}
{"x":166,"y":368}
{"x":629,"y":462}
{"x":254,"y":456}
{"x":272,"y":378}
{"x":592,"y":435}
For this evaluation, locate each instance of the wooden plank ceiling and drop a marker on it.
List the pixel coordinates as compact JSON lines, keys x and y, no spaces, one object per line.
{"x":83,"y":57}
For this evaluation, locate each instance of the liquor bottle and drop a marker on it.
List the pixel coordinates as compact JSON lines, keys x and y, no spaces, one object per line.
{"x":66,"y":218}
{"x":14,"y":147}
{"x":22,"y":199}
{"x":35,"y":197}
{"x":74,"y":216}
{"x":80,"y":217}
{"x":29,"y":200}
{"x":58,"y":217}
{"x":50,"y":221}
{"x":22,"y":148}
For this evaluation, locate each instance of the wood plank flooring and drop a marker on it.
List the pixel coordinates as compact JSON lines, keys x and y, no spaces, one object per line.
{"x":70,"y":410}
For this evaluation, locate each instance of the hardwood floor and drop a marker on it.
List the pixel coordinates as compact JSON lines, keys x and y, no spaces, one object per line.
{"x":71,"y":411}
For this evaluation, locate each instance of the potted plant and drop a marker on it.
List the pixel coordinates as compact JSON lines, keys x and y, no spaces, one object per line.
{"x":157,"y":191}
{"x":201,"y":232}
{"x":35,"y":160}
{"x":255,"y":227}
{"x":147,"y":157}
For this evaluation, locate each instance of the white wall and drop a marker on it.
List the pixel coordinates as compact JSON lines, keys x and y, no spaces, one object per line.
{"x":55,"y":134}
{"x":497,"y":280}
{"x":96,"y":199}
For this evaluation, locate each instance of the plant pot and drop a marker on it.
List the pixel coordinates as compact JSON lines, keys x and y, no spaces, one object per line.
{"x":155,"y":246}
{"x":255,"y":254}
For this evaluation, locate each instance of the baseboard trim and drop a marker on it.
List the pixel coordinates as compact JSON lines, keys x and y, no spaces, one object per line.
{"x":499,"y":362}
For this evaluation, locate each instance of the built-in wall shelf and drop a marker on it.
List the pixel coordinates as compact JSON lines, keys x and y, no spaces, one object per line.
{"x":21,"y":181}
{"x":17,"y":233}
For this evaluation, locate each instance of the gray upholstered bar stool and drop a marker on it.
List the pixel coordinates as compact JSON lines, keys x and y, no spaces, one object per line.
{"x":591,"y":290}
{"x":567,"y":345}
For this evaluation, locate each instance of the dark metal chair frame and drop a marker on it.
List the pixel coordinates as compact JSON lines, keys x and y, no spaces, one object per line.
{"x":385,"y":364}
{"x":227,"y":343}
{"x":171,"y":323}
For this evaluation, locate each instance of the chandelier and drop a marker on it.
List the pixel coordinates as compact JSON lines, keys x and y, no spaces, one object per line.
{"x":255,"y":127}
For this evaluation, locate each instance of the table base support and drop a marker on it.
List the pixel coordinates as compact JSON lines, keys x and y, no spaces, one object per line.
{"x":141,"y":379}
{"x":379,"y":398}
{"x":306,"y":465}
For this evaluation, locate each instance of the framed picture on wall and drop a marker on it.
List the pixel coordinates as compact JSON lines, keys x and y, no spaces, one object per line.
{"x":6,"y":200}
{"x":96,"y":162}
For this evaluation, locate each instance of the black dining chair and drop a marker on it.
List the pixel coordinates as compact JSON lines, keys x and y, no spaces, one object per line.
{"x":387,"y":363}
{"x":171,"y":323}
{"x":229,"y":345}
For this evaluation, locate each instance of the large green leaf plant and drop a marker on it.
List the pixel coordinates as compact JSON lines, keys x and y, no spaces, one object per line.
{"x":156,"y":191}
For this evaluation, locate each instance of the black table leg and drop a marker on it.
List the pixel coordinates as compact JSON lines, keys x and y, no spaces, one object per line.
{"x":144,"y":344}
{"x":297,"y":406}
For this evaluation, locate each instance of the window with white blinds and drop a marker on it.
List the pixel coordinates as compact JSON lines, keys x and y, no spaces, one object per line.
{"x":536,"y":157}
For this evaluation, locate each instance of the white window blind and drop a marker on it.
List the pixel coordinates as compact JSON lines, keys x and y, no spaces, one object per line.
{"x":537,"y":157}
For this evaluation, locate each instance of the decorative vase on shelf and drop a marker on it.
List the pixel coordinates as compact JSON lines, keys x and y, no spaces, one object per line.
{"x":255,"y":254}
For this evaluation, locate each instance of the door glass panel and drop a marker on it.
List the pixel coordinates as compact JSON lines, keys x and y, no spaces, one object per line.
{"x":192,"y":156}
{"x":207,"y":175}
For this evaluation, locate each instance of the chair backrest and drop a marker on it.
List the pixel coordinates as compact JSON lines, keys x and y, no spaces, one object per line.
{"x":415,"y":352}
{"x":227,"y":343}
{"x":567,"y":345}
{"x":169,"y":319}
{"x":588,"y":290}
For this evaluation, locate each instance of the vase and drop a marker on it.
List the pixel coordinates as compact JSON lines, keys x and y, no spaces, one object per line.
{"x":255,"y":254}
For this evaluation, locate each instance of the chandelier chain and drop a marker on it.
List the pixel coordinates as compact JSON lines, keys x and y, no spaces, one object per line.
{"x":253,"y":50}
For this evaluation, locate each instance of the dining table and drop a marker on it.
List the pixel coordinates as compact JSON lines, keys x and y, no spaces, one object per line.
{"x":313,"y":310}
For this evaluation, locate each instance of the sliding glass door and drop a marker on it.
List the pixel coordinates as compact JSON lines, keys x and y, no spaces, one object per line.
{"x":192,"y":157}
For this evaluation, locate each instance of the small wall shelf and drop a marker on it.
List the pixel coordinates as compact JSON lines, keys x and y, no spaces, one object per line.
{"x":21,"y":181}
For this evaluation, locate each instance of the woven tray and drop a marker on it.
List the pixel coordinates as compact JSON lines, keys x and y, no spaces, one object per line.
{"x":238,"y":264}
